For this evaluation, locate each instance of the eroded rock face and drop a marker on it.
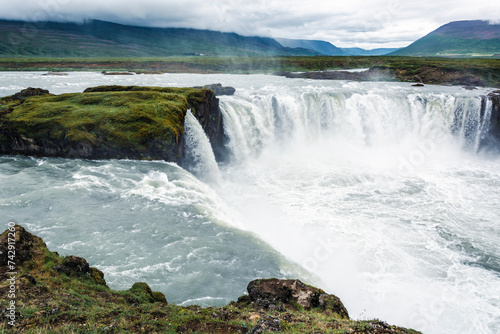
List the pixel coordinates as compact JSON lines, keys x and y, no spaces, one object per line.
{"x":275,"y":293}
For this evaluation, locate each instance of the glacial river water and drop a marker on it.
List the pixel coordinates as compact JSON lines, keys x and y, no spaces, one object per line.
{"x":381,"y":193}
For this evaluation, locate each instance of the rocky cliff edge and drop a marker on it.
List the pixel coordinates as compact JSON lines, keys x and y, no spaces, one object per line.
{"x":108,"y":122}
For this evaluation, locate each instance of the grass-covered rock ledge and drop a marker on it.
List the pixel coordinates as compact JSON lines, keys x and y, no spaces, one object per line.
{"x":107,"y":122}
{"x":63,"y":294}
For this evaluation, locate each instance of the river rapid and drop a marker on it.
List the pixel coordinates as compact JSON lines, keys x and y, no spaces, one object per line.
{"x":383,"y":194}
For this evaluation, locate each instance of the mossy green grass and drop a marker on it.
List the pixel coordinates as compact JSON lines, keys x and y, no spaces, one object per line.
{"x":120,"y":117}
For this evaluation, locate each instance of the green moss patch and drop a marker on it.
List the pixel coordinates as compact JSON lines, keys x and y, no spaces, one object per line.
{"x":127,"y":119}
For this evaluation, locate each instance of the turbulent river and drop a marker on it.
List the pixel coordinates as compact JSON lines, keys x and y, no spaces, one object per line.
{"x":381,"y":193}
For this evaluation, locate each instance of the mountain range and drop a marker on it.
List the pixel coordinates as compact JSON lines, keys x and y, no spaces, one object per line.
{"x":105,"y":39}
{"x":457,"y":39}
{"x":95,"y":38}
{"x":327,"y":48}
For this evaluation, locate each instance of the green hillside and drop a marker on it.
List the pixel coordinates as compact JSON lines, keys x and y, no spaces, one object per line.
{"x":105,"y":39}
{"x":457,"y":39}
{"x":322,"y":47}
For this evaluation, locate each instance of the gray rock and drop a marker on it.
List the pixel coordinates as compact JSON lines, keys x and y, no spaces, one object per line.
{"x":218,"y":89}
{"x":276,"y":294}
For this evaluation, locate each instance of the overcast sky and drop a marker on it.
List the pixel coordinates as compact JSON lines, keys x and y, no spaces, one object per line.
{"x":346,"y":23}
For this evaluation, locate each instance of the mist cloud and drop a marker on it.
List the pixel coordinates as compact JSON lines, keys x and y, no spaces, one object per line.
{"x":377,"y":23}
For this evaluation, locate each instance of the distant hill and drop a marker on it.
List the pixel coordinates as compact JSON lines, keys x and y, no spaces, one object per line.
{"x":372,"y":52}
{"x":457,"y":39}
{"x":327,"y":48}
{"x":322,"y":47}
{"x":105,"y":39}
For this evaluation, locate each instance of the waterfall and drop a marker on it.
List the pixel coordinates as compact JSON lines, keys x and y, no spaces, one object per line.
{"x":199,"y":157}
{"x":255,"y":123}
{"x":384,"y":192}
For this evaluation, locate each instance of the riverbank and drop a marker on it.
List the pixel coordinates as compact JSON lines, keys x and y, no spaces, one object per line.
{"x":456,"y":71}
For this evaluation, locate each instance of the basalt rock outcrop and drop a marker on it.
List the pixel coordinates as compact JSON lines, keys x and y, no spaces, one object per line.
{"x":282,"y":294}
{"x":108,"y":122}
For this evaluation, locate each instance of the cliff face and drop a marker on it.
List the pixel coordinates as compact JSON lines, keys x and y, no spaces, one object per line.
{"x":495,"y":114}
{"x":208,"y":113}
{"x":107,"y":122}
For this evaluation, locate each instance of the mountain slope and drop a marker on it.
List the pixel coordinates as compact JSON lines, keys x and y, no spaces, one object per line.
{"x":322,"y":47}
{"x":460,"y":38}
{"x":105,"y":39}
{"x":372,"y":52}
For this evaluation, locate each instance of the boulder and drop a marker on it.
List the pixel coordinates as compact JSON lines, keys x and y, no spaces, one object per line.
{"x":275,"y":293}
{"x":73,"y":265}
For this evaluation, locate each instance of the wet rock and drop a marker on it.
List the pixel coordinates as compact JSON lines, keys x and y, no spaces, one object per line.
{"x":273,"y":293}
{"x":418,"y":85}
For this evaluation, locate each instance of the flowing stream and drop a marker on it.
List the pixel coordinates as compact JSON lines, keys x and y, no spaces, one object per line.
{"x":381,"y":193}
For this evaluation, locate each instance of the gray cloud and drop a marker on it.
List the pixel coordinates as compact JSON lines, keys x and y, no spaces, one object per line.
{"x":377,"y":23}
